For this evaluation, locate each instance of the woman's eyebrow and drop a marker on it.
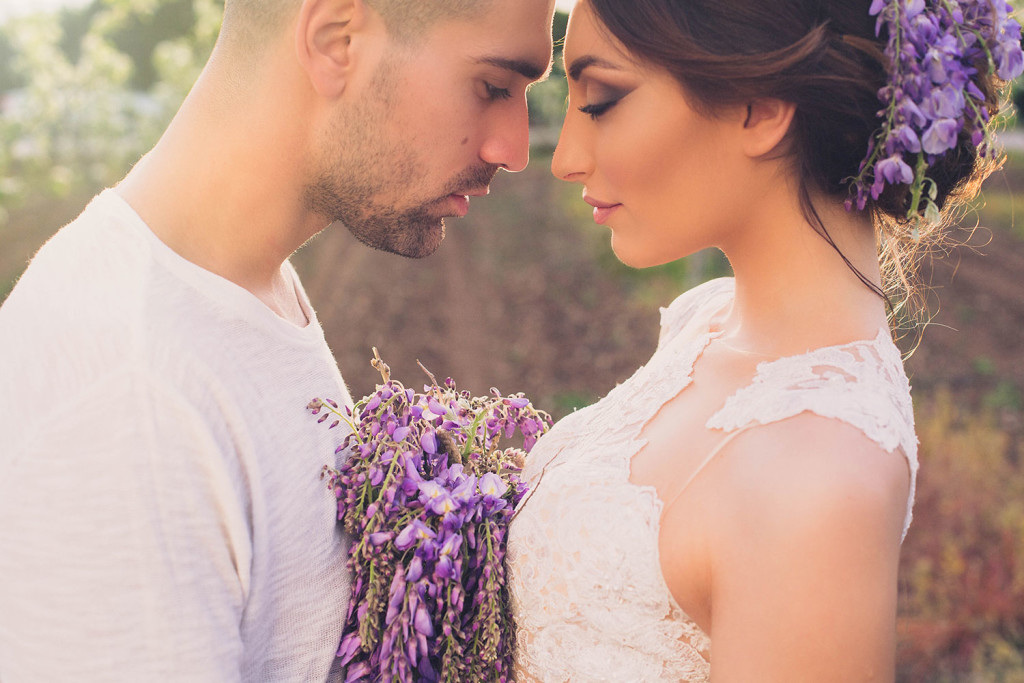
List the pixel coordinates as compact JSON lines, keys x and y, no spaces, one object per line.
{"x":578,"y":65}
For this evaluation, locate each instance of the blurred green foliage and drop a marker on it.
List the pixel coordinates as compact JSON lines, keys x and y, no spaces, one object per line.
{"x":90,"y":90}
{"x":547,"y":99}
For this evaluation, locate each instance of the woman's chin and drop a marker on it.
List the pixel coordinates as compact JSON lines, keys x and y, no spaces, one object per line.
{"x":639,"y":258}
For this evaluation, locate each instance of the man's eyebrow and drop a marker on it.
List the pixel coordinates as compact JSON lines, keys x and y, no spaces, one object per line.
{"x":578,"y":65}
{"x":530,"y":70}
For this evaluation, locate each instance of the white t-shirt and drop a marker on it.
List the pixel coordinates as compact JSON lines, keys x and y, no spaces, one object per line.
{"x":162,"y":516}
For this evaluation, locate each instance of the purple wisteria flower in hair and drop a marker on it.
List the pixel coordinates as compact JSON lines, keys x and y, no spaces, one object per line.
{"x":934,"y":51}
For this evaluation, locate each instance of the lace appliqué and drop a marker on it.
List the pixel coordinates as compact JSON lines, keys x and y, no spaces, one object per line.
{"x":862,"y":384}
{"x":587,"y":590}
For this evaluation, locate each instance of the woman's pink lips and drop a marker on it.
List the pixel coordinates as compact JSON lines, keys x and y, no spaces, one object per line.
{"x":602,"y":214}
{"x":602,"y":210}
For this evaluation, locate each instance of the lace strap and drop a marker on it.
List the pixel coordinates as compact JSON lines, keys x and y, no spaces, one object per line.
{"x":700,"y":468}
{"x":862,"y":384}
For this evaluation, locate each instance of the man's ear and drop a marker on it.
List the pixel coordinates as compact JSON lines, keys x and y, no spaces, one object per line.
{"x":766,"y":125}
{"x":325,"y":42}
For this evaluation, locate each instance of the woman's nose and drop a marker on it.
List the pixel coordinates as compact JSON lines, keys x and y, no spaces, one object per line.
{"x":571,"y":160}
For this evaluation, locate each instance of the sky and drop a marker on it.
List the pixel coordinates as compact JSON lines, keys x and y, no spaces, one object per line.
{"x":10,"y":8}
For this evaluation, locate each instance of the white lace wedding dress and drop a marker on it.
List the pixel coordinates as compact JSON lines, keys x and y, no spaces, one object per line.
{"x":587,"y":591}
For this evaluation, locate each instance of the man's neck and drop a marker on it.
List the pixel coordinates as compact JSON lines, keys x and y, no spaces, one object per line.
{"x":221,"y":189}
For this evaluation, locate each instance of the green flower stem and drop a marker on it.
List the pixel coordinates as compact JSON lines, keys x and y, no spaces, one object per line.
{"x":388,"y":478}
{"x":471,"y":435}
{"x":918,"y":186}
{"x":343,"y":418}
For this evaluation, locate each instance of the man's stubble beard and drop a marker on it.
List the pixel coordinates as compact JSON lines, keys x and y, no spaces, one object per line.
{"x":368,"y":165}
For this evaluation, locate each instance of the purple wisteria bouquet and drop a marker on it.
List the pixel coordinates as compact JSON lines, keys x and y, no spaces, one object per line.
{"x":936,"y":51}
{"x":427,"y":496}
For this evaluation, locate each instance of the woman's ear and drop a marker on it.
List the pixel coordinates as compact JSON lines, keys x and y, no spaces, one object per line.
{"x":766,"y":126}
{"x":324,"y":42}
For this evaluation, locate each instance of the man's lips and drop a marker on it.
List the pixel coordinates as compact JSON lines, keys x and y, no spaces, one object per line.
{"x":461,"y":199}
{"x":602,"y":210}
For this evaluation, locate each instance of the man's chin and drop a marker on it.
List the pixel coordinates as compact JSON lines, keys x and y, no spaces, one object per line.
{"x":427,"y":243}
{"x":416,"y":238}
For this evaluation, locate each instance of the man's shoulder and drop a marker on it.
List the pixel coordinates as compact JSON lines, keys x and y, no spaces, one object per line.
{"x":78,"y":313}
{"x":85,"y":277}
{"x":104,"y":295}
{"x":94,"y":253}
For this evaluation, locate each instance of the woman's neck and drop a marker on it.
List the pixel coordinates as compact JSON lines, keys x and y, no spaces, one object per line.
{"x":794,"y":292}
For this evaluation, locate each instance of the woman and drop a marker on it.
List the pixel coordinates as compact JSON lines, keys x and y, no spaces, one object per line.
{"x":751,"y":485}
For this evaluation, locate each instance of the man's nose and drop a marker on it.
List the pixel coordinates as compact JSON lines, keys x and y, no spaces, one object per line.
{"x":508,"y":141}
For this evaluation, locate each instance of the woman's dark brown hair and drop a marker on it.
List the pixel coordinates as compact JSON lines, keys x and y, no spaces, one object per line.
{"x":823,"y":56}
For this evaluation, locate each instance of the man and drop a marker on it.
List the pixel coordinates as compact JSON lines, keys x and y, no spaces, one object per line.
{"x":161,"y":513}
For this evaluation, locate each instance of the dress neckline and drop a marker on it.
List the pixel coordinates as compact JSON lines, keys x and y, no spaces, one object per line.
{"x":692,"y":349}
{"x":707,"y":327}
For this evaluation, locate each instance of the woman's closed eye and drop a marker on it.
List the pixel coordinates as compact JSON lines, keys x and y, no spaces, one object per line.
{"x":597,"y":109}
{"x":601,"y":97}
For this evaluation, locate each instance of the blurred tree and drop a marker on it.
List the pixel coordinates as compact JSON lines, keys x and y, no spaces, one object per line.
{"x":142,"y":35}
{"x":74,"y":23}
{"x":8,"y":79}
{"x":96,"y":89}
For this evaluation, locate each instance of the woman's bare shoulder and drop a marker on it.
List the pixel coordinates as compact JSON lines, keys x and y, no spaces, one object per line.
{"x":816,"y":477}
{"x":805,"y":551}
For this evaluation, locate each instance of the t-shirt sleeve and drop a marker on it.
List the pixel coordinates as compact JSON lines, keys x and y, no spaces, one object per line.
{"x":125,"y":543}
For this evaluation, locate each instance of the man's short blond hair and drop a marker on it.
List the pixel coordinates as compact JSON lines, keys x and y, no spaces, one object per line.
{"x":249,"y":24}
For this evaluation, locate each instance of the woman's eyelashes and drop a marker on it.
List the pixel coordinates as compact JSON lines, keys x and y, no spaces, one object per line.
{"x":596,"y":110}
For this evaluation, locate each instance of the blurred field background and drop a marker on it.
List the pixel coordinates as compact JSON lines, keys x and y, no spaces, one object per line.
{"x":525,"y":295}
